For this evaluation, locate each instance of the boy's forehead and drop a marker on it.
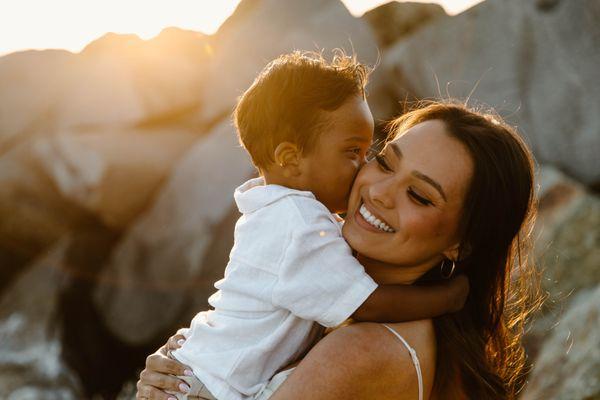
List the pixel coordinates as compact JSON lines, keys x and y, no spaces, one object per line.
{"x":352,"y":121}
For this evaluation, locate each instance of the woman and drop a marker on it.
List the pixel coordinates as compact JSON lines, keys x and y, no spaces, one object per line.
{"x":456,"y":186}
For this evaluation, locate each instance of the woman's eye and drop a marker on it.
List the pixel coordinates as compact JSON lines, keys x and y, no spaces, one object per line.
{"x":418,"y":198}
{"x":382,"y":163}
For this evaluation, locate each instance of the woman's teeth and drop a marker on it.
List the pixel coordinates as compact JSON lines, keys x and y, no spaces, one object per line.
{"x":375,"y":222}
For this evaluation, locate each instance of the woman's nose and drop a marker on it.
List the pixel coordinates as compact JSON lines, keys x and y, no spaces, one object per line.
{"x":382,"y":193}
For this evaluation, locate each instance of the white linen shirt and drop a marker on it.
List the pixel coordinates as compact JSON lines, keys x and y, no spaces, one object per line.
{"x":289,"y":267}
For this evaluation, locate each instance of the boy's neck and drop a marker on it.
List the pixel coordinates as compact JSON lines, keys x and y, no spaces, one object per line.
{"x":278,"y":179}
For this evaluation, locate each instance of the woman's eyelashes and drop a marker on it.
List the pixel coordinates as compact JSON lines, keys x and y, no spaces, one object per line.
{"x":418,"y":198}
{"x":385,"y":167}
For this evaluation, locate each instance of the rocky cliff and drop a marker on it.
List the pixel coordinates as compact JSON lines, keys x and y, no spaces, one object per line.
{"x":117,"y":167}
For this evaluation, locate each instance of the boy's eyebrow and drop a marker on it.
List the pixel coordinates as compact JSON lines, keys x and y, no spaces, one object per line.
{"x":396,"y":149}
{"x":357,"y":139}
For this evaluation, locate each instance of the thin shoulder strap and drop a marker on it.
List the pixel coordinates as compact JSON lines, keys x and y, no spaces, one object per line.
{"x":415,"y":360}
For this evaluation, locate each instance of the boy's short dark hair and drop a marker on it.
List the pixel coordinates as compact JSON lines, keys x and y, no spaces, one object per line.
{"x":287,"y":100}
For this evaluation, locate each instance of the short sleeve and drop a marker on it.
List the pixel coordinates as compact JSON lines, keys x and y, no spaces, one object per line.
{"x":318,"y":278}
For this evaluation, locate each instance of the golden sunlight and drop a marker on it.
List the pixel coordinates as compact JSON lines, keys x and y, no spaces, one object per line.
{"x":71,"y":25}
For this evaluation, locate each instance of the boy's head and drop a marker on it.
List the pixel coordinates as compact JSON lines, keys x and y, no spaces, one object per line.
{"x":306,"y":124}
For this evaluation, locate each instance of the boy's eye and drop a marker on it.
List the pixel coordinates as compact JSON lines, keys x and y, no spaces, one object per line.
{"x":383,"y":163}
{"x":419,"y":198}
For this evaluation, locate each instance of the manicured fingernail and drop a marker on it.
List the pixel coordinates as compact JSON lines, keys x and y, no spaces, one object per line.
{"x":188,"y":372}
{"x":180,"y":342}
{"x":184,"y":388}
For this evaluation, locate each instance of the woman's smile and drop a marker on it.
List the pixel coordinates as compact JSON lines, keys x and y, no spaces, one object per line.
{"x":371,"y":221}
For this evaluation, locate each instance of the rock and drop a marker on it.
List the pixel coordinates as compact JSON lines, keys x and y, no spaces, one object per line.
{"x":566,"y":249}
{"x":30,"y":337}
{"x":535,"y":67}
{"x":260,"y":30}
{"x":158,"y":266}
{"x":33,"y":214}
{"x":131,"y":81}
{"x":112,"y":174}
{"x":567,"y":235}
{"x":395,"y":20}
{"x":54,"y":184}
{"x":568,"y":366}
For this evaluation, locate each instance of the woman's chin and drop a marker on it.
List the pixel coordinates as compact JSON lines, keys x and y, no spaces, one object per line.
{"x":360,"y":238}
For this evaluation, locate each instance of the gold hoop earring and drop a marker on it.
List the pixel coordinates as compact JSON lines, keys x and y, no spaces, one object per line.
{"x":442,"y":268}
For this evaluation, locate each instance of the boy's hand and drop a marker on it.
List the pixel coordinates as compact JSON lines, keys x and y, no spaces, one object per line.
{"x":458,"y":291}
{"x":174,"y":342}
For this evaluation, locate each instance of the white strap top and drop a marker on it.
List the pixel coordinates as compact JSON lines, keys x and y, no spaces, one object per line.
{"x":415,"y":360}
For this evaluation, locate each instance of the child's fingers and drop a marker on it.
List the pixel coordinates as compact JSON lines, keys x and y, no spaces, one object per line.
{"x":175,"y":342}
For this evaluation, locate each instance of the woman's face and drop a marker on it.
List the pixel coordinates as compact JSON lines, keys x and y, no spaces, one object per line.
{"x":414,"y":191}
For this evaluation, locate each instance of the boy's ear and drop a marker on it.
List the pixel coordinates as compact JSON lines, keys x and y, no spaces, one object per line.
{"x":287,"y":156}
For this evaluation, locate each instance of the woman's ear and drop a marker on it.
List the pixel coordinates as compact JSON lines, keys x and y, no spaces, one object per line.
{"x":451,"y":253}
{"x":456,"y":253}
{"x":287,"y":156}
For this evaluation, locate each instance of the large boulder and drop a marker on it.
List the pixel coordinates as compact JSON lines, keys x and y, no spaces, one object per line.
{"x":568,"y":366}
{"x":260,"y":30}
{"x":395,"y":20}
{"x":535,"y":62}
{"x":53,"y":184}
{"x":567,"y":235}
{"x":30,"y":334}
{"x":117,"y":80}
{"x":112,"y":174}
{"x":157,"y":269}
{"x":567,"y":253}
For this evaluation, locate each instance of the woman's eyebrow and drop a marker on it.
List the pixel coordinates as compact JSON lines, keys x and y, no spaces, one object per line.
{"x":396,"y":149}
{"x":432,"y":182}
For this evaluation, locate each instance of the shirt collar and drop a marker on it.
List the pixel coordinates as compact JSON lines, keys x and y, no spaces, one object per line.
{"x":254,"y":194}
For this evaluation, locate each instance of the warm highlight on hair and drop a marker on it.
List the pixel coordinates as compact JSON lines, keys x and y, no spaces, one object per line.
{"x":288,"y":99}
{"x":479,"y":353}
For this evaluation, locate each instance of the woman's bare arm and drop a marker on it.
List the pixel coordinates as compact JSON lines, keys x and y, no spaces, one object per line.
{"x":354,"y":362}
{"x":359,"y":361}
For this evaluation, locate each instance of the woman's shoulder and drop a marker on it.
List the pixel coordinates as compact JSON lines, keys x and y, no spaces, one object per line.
{"x":372,"y":347}
{"x":420,"y":335}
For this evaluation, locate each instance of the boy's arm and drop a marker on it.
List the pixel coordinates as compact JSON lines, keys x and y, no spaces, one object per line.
{"x":400,"y":303}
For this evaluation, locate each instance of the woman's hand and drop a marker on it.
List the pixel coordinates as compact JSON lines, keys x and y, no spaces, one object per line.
{"x":160,"y":373}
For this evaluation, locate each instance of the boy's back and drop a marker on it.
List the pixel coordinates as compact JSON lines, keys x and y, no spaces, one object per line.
{"x":289,"y":266}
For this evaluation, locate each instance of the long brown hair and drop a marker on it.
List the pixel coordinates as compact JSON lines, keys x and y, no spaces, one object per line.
{"x":479,"y":352}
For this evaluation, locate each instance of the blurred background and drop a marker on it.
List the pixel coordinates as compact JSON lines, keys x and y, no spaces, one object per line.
{"x":118,"y":160}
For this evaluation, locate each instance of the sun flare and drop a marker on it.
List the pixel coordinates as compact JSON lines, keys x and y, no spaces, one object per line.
{"x":71,"y":25}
